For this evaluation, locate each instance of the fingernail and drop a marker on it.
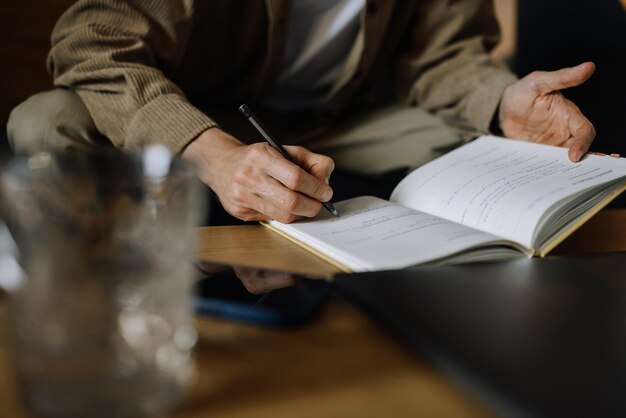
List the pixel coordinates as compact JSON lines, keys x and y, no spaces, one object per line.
{"x":578,"y":155}
{"x":327,"y":180}
{"x":327,"y":195}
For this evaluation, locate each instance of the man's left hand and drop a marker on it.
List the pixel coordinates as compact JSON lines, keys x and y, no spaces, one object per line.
{"x":534,"y":109}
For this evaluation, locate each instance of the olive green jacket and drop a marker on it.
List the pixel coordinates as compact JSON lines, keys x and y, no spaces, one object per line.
{"x":144,"y":68}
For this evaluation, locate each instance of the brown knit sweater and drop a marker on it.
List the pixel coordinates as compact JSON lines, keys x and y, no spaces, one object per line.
{"x":144,"y":68}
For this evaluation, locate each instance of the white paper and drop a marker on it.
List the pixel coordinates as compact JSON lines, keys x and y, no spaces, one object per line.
{"x":374,"y":234}
{"x":502,"y":186}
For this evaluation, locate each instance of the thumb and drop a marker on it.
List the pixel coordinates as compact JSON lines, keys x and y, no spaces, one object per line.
{"x":545,"y":82}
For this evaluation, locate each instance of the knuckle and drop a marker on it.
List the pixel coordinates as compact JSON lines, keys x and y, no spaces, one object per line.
{"x":534,"y":79}
{"x":585,"y":131}
{"x":533,"y":84}
{"x":238,"y":195}
{"x":256,"y":151}
{"x":294,"y":178}
{"x":248,"y":217}
{"x":289,"y":202}
{"x":285,"y":218}
{"x":329,"y":162}
{"x":241,"y":175}
{"x":592,"y":130}
{"x":237,"y":211}
{"x":314,"y":210}
{"x":243,"y":213}
{"x":325,"y":163}
{"x":252,"y":287}
{"x":320,"y":187}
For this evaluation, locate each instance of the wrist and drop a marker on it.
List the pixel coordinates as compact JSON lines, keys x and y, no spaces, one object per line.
{"x":210,"y":145}
{"x":208,"y":150}
{"x":501,"y":116}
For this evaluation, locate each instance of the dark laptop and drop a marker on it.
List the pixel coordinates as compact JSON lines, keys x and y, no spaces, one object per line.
{"x":539,"y":337}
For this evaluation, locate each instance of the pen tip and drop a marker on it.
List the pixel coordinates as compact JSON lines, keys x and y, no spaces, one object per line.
{"x":330,"y":208}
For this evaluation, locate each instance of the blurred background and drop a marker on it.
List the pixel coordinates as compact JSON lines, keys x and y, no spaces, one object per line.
{"x":536,"y":35}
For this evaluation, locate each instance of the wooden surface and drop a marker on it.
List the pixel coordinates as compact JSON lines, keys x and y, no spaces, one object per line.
{"x":256,"y":245}
{"x":339,"y":365}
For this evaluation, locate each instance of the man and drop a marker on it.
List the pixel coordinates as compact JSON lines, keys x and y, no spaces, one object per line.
{"x":376,"y":85}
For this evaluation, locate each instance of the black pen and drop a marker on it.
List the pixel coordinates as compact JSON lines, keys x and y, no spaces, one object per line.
{"x":247,"y":113}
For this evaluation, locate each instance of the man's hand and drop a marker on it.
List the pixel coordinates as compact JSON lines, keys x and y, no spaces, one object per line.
{"x":255,"y":182}
{"x":259,"y":281}
{"x":535,"y":110}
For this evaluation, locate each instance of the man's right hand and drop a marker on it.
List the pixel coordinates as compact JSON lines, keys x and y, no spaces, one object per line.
{"x":255,"y":182}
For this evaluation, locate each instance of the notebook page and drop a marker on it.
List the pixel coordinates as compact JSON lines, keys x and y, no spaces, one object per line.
{"x":502,"y":186}
{"x":373,"y":234}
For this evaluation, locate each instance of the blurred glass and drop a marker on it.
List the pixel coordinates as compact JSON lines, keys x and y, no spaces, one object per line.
{"x":100,"y":315}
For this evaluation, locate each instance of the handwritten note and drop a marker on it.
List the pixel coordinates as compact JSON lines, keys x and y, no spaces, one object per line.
{"x":372,"y":234}
{"x":502,"y":186}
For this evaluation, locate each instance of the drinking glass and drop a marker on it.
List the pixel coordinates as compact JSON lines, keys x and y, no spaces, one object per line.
{"x":99,"y":309}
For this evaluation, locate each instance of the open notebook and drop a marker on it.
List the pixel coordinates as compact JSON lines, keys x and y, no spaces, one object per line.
{"x":490,"y":199}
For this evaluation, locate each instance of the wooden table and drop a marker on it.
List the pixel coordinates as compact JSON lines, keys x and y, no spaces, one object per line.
{"x":340,"y":365}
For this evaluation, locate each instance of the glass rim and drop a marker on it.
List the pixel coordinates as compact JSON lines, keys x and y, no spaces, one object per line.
{"x":25,"y":167}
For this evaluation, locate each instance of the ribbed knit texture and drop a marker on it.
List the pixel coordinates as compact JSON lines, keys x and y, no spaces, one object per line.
{"x":111,"y":51}
{"x":134,"y":62}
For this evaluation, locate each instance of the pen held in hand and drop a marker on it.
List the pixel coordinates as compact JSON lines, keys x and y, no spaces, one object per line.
{"x":247,"y":113}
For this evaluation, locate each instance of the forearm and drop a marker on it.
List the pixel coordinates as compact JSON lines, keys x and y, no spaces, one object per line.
{"x":447,"y":69}
{"x":168,"y":119}
{"x":116,"y":56}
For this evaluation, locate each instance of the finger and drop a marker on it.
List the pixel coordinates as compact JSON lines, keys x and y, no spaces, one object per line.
{"x":287,"y":202}
{"x":544,"y":82}
{"x":258,"y":281}
{"x":256,"y":194}
{"x":297,"y":179}
{"x":583,"y":134}
{"x":262,"y":208}
{"x":245,"y":213}
{"x":317,"y":165}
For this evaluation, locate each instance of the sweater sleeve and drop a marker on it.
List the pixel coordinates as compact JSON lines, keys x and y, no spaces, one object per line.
{"x":446,"y":68}
{"x":115,"y":55}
